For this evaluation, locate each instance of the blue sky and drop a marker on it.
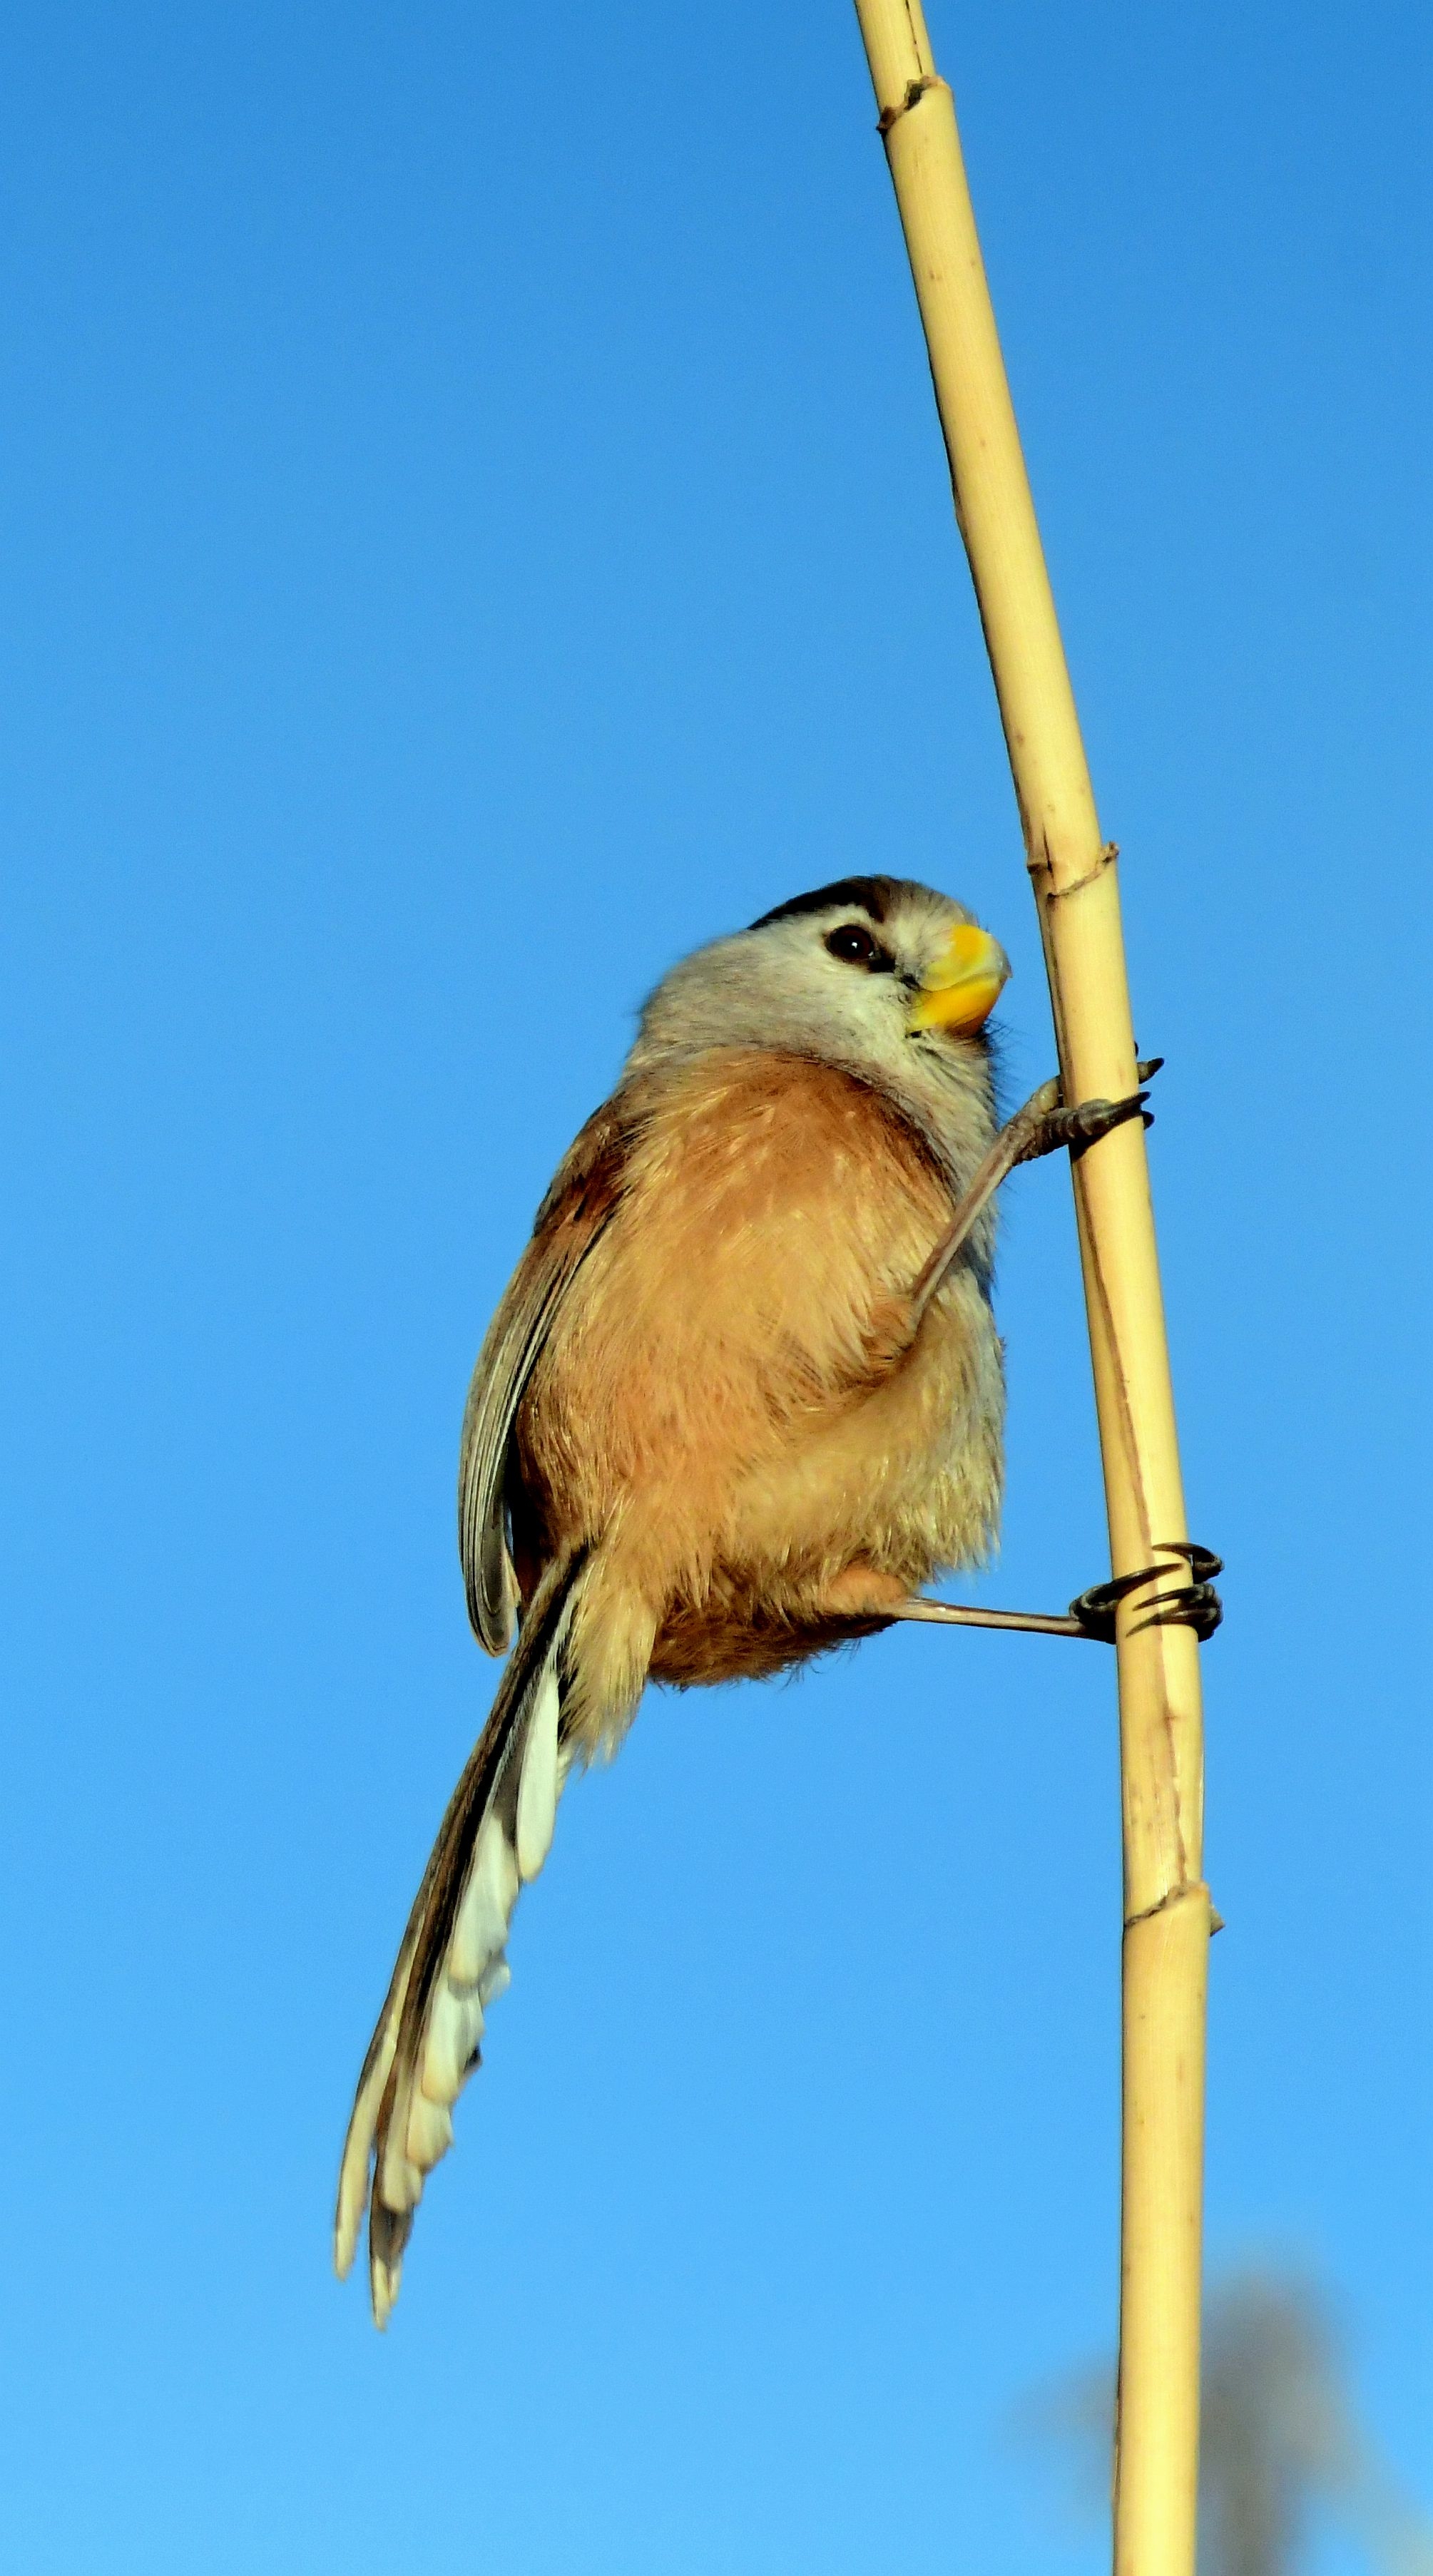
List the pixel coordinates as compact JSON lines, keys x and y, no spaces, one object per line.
{"x":474,"y":526}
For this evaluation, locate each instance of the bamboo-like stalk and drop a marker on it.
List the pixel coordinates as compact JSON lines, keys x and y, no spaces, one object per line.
{"x":1167,"y":1914}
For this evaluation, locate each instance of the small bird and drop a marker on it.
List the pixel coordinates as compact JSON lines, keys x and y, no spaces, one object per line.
{"x":742,"y":1399}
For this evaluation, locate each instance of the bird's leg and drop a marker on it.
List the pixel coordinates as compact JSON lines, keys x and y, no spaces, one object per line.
{"x":1041,"y":1127}
{"x":869,"y":1598}
{"x":1194,"y":1604}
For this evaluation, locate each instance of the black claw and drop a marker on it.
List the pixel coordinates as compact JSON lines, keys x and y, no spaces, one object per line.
{"x":1149,"y":1066}
{"x":1195,"y":1605}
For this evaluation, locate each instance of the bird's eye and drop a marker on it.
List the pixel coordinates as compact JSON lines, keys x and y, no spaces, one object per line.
{"x":855,"y":947}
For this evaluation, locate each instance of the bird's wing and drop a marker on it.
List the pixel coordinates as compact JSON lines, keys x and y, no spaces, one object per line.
{"x":580,"y":1203}
{"x":494,"y":1837}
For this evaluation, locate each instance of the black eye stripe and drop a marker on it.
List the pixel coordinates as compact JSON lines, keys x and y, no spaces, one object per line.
{"x":856,"y":947}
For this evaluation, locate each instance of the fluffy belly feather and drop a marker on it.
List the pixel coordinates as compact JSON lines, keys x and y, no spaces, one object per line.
{"x":860,"y":1512}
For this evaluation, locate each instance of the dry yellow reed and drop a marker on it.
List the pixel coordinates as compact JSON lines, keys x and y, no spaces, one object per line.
{"x":1167,"y":1914}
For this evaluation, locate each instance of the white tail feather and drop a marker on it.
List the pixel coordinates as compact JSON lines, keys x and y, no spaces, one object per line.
{"x":383,"y":2283}
{"x":400,"y":2184}
{"x":418,"y":2066}
{"x":486,"y":1909}
{"x":358,"y":2145}
{"x":455,"y":2026}
{"x":430,"y":2132}
{"x":537,"y":1789}
{"x":358,"y":2148}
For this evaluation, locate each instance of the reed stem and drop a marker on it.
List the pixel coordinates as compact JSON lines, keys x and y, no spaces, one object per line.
{"x":1073,"y":871}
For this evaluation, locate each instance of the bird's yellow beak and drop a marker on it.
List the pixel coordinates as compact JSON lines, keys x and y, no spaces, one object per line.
{"x":961,"y":986}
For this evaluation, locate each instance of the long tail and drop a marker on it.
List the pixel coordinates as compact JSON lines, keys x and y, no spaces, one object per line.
{"x":495,"y":1836}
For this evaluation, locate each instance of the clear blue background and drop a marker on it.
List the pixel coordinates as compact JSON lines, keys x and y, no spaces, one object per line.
{"x":474,"y":526}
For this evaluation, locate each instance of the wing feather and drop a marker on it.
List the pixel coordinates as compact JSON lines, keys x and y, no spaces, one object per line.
{"x":578,"y":1206}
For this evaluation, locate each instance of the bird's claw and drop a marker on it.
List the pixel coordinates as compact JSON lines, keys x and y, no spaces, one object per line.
{"x":1194,"y":1605}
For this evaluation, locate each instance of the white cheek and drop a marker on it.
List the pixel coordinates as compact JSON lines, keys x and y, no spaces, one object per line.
{"x":877,"y":1006}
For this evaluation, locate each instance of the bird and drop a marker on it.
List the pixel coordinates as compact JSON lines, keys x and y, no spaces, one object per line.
{"x":741,"y":1401}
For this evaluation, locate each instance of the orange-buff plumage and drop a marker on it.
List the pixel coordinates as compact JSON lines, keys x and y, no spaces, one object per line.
{"x":712,"y":1430}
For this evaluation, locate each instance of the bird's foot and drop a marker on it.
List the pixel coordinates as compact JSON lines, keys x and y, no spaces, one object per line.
{"x":1194,"y":1605}
{"x":1052,"y":1126}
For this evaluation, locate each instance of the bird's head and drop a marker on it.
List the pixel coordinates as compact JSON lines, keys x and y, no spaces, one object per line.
{"x":884,"y":977}
{"x":888,"y":979}
{"x":946,"y":973}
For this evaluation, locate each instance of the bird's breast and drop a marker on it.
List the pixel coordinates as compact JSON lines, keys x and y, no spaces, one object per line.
{"x":713,"y":1410}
